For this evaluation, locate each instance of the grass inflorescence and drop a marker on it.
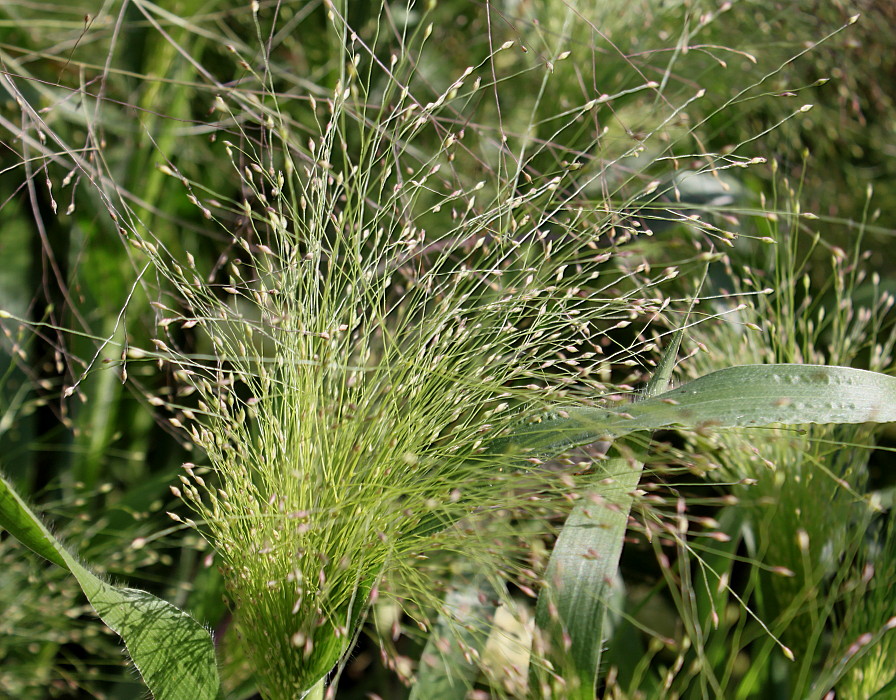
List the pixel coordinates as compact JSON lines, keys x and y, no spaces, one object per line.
{"x":365,"y":355}
{"x":376,"y":240}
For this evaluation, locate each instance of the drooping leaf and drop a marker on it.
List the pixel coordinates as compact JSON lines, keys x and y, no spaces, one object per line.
{"x":583,"y":568}
{"x":748,"y":395}
{"x":580,"y":578}
{"x":173,"y":652}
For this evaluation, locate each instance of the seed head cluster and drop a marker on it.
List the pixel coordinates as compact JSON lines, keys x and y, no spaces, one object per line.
{"x":377,"y":326}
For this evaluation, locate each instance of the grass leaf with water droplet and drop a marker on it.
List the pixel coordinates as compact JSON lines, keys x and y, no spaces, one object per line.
{"x":744,"y":396}
{"x":573,"y":608}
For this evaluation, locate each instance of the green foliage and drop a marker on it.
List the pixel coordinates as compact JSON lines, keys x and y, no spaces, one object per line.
{"x":173,"y":653}
{"x":383,"y":263}
{"x":447,"y":665}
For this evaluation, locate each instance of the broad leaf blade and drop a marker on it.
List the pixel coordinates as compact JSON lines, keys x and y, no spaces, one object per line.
{"x":581,"y":574}
{"x":749,"y":395}
{"x":173,"y":653}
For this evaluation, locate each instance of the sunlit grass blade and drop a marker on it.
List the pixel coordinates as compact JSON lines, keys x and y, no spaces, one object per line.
{"x":749,"y":395}
{"x":173,"y":653}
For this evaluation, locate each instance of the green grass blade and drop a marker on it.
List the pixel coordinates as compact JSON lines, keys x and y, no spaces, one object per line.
{"x":173,"y":653}
{"x":581,"y":575}
{"x":748,"y":395}
{"x":662,"y":376}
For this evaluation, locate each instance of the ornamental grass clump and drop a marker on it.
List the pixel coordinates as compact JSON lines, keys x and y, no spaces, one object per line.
{"x":429,"y":276}
{"x":361,"y":369}
{"x":402,"y":284}
{"x":357,"y":382}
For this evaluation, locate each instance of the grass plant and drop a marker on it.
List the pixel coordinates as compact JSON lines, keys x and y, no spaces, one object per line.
{"x":384,"y":264}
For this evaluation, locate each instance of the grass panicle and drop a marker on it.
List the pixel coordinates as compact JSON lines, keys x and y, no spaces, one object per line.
{"x":364,"y":244}
{"x":362,"y":360}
